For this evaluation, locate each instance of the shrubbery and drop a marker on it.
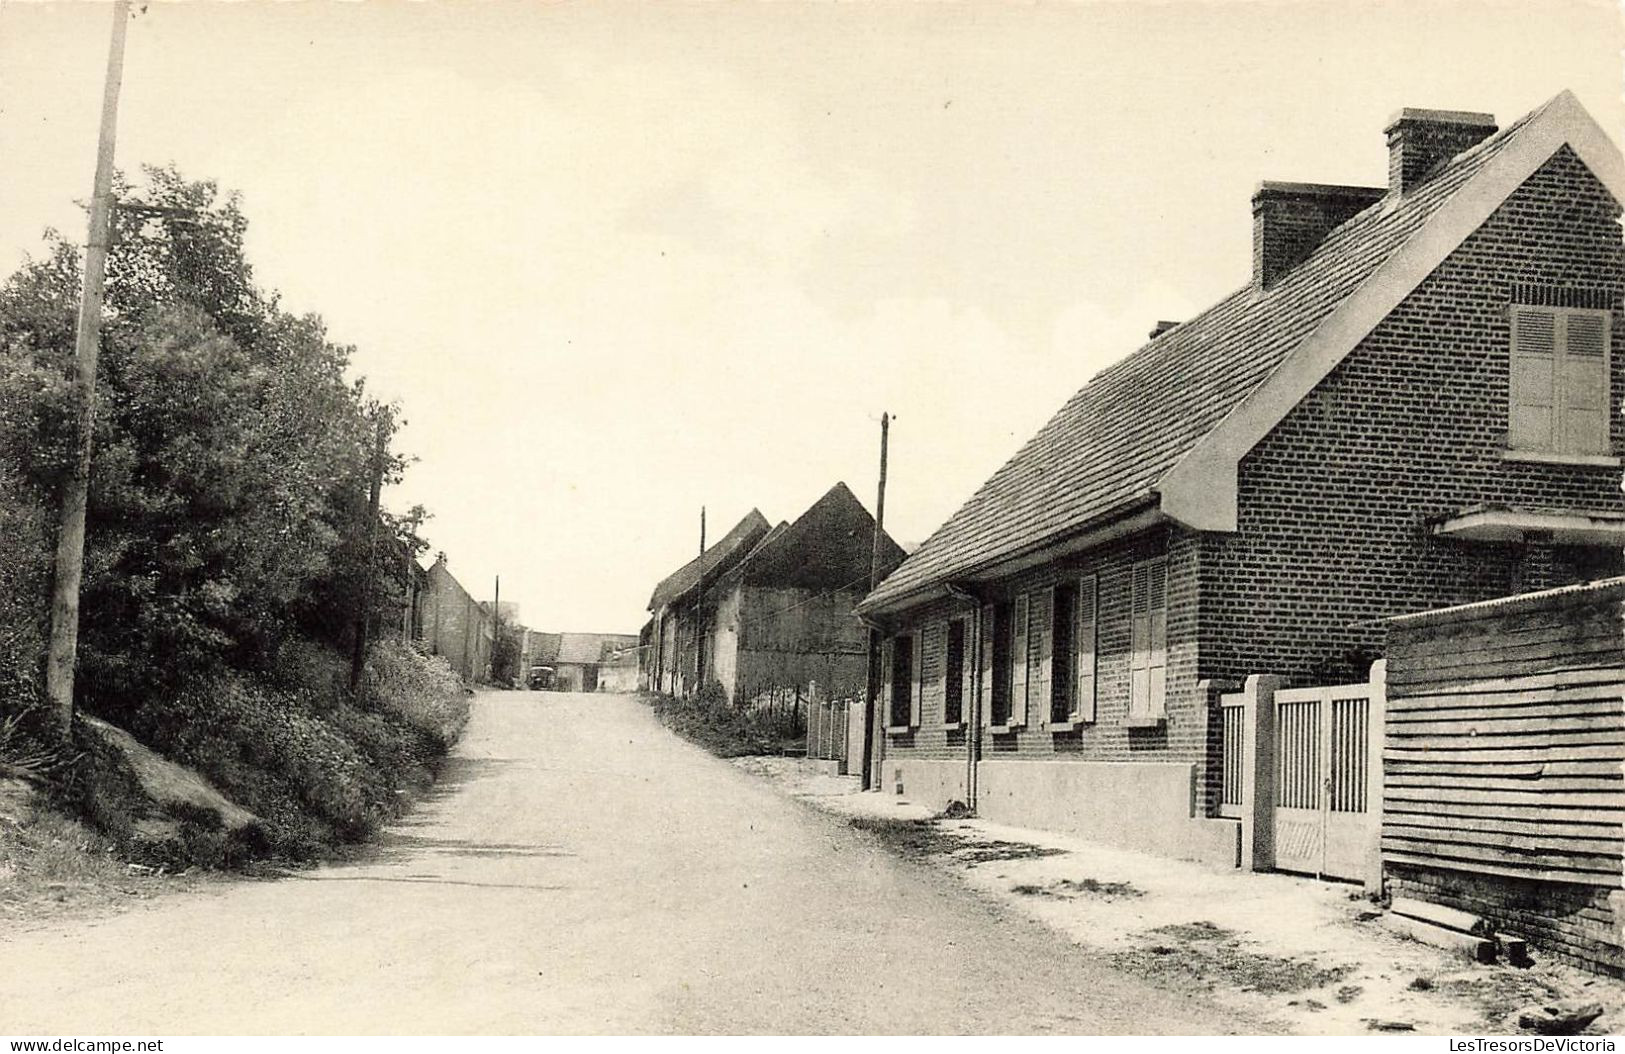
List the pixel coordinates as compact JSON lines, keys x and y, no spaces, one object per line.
{"x":708,"y":719}
{"x":228,"y":539}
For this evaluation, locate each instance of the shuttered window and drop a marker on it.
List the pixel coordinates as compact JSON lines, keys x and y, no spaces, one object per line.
{"x":900,"y":681}
{"x":999,"y":675}
{"x":1148,"y":604}
{"x":1559,"y":380}
{"x":1064,"y":623}
{"x":955,"y":675}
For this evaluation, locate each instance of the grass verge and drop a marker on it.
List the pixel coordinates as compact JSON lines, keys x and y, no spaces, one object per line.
{"x":709,"y":721}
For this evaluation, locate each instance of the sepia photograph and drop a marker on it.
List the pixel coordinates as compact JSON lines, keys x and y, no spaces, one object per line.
{"x":783,"y":518}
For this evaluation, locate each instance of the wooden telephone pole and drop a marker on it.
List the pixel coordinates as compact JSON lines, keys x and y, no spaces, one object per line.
{"x":871,"y":775}
{"x":375,"y":487}
{"x":62,"y":656}
{"x":699,"y":614}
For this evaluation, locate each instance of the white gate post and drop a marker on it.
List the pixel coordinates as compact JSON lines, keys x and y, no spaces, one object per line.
{"x":1376,"y":728}
{"x":1258,"y":771}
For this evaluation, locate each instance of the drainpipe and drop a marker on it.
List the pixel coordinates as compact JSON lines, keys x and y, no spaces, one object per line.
{"x":973,"y":705}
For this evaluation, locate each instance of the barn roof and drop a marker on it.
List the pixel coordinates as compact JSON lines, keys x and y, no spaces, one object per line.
{"x":719,"y":558}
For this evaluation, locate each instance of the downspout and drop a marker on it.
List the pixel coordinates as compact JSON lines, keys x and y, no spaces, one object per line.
{"x":973,"y":734}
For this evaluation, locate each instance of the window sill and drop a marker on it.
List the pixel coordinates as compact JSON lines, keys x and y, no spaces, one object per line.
{"x":1003,"y":730}
{"x":1545,"y":457}
{"x":1145,"y":722}
{"x":899,"y":730}
{"x":1058,"y":727}
{"x":953,"y":726}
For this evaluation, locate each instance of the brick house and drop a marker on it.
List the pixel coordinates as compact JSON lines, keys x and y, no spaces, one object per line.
{"x":454,"y":624}
{"x":776,"y":617}
{"x":1407,"y":406}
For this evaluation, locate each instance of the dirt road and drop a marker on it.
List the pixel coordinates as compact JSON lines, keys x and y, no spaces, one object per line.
{"x":580,"y":870}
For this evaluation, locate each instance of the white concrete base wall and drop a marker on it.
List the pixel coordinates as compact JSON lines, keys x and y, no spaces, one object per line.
{"x":930,"y":783}
{"x":1145,"y":806}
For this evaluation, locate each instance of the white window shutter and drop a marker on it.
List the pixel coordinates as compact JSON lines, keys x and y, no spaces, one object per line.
{"x":1045,"y":655}
{"x":1532,"y":418}
{"x":1139,"y":700}
{"x":916,"y":688}
{"x":1157,"y":578}
{"x":1583,"y":384}
{"x":984,"y":648}
{"x":1018,"y":663}
{"x":1084,"y":705}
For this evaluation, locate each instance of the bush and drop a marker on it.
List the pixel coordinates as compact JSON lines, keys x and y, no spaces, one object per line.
{"x":421,"y":690}
{"x":707,"y":719}
{"x":318,"y":768}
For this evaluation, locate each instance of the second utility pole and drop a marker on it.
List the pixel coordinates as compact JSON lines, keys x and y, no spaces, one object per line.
{"x":70,"y":540}
{"x":871,"y":741}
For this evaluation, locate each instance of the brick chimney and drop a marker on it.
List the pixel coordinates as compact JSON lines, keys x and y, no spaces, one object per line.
{"x":1291,"y":219}
{"x":1421,"y":140}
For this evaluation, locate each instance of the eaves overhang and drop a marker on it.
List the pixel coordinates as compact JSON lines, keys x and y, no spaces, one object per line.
{"x":1573,"y":527}
{"x":1139,"y":515}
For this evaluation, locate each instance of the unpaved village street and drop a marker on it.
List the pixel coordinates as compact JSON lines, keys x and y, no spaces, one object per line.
{"x":582,"y":870}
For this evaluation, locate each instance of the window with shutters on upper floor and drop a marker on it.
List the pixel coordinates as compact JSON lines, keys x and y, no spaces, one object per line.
{"x":1148,"y":649}
{"x":1558,"y":394}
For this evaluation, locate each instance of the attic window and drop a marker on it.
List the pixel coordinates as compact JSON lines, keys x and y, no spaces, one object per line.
{"x":1558,"y":395}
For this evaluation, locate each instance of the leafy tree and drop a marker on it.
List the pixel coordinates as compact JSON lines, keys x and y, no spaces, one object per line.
{"x":228,"y":507}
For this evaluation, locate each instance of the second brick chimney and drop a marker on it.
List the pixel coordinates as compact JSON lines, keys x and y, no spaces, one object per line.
{"x":1291,"y":219}
{"x":1421,"y":140}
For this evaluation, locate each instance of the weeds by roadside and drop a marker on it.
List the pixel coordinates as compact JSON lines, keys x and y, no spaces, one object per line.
{"x":708,"y":720}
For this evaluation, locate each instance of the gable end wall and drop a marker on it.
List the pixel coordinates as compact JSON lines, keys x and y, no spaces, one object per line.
{"x":1338,"y":502}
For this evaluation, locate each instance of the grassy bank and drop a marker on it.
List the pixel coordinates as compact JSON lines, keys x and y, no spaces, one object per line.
{"x":708,"y":720}
{"x":316,"y":768}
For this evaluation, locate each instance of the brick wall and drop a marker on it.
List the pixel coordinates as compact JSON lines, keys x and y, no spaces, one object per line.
{"x":1184,"y":737}
{"x":1574,"y":923}
{"x":1337,"y":504}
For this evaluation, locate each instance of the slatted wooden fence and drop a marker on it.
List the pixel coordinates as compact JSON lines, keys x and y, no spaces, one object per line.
{"x":1504,"y":752}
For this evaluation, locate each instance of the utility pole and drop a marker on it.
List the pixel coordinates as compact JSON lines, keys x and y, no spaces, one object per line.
{"x":699,"y":614}
{"x":871,"y":775}
{"x":375,"y":487}
{"x":496,"y":626}
{"x":70,"y":543}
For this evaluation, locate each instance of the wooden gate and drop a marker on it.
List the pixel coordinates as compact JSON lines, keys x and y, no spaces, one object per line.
{"x":1328,"y":755}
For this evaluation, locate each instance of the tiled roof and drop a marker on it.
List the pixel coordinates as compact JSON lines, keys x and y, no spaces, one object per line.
{"x":592,"y":647}
{"x":828,"y":548}
{"x":734,"y":545}
{"x":1105,"y":450}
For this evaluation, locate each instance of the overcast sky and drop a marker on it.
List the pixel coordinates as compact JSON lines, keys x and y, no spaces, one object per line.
{"x":618,"y":261}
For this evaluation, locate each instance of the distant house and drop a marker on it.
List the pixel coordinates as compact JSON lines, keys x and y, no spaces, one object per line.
{"x":675,"y":663}
{"x":619,"y":670}
{"x":774,"y":611}
{"x":579,"y":658}
{"x":1412,"y":403}
{"x":454,"y":624}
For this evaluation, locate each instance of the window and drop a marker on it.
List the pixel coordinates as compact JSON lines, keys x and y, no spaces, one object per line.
{"x":902,"y":681}
{"x":1063,"y":689}
{"x":998,"y":686}
{"x":1559,"y":380}
{"x":1148,"y":605}
{"x":954,"y":675}
{"x":1072,"y":693}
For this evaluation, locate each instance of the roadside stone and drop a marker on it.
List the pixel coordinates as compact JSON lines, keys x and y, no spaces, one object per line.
{"x":1381,"y":1025}
{"x":1558,"y":1019}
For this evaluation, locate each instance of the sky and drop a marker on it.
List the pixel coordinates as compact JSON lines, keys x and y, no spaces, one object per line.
{"x":618,"y":261}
